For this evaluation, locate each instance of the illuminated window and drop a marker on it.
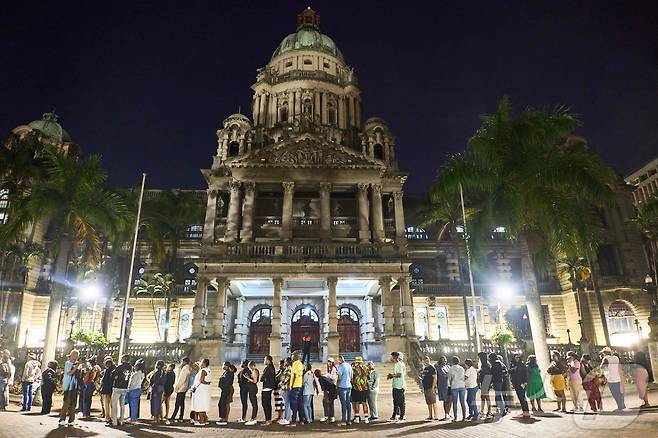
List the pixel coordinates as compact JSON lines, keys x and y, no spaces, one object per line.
{"x":305,"y":311}
{"x":265,"y":312}
{"x":195,"y":232}
{"x":347,"y":311}
{"x":415,"y":233}
{"x":621,"y":318}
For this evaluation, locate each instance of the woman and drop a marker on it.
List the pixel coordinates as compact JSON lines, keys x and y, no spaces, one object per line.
{"x":556,"y":370}
{"x":590,"y":383}
{"x":157,"y":390}
{"x":252,"y":390}
{"x":269,"y":385}
{"x":484,"y":380}
{"x":135,"y":390}
{"x":330,"y":395}
{"x":48,"y":386}
{"x":243,"y":378}
{"x":279,"y":406}
{"x":471,"y":383}
{"x":519,"y":376}
{"x":170,"y":379}
{"x":443,"y":385}
{"x":226,"y":397}
{"x":457,"y":385}
{"x":89,"y":376}
{"x":195,"y":367}
{"x":308,"y":391}
{"x":5,"y":375}
{"x":284,"y":387}
{"x":641,"y":378}
{"x":201,"y":394}
{"x":332,"y":371}
{"x":535,"y":389}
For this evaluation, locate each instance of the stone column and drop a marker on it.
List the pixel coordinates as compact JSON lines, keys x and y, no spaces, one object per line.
{"x":362,"y":200}
{"x":407,"y":306}
{"x":325,"y":211}
{"x":387,"y":304}
{"x":211,"y":214}
{"x":325,"y":328}
{"x":377,"y":213}
{"x":298,"y":103}
{"x":317,"y":107}
{"x":285,"y":326}
{"x":369,"y":321}
{"x":220,"y":306}
{"x":199,"y":310}
{"x":240,"y":319}
{"x":262,"y":113}
{"x":333,"y":336}
{"x":357,"y":108}
{"x":275,"y":336}
{"x":325,"y":115}
{"x":254,"y":108}
{"x":233,"y":217}
{"x":247,"y":233}
{"x":286,"y":213}
{"x":400,"y":229}
{"x":341,"y":112}
{"x":352,"y":111}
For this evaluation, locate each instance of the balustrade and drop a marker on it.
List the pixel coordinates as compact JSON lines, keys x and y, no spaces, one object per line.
{"x":306,"y":250}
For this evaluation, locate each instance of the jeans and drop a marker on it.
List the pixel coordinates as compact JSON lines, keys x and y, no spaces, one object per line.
{"x":287,"y":411}
{"x":295,"y":395}
{"x":244,"y":399}
{"x":520,"y":393}
{"x":46,"y":399}
{"x":615,"y":390}
{"x":372,"y":403}
{"x":308,"y":410}
{"x":156,"y":400}
{"x":118,"y":405}
{"x":328,"y":406}
{"x":87,"y":394}
{"x":499,"y":389}
{"x":253,"y":399}
{"x":180,"y":404}
{"x":27,"y":396}
{"x":68,"y":405}
{"x":133,"y":403}
{"x":471,"y":400}
{"x":3,"y":398}
{"x":344,"y":395}
{"x":266,"y":400}
{"x":398,"y":403}
{"x":458,"y":393}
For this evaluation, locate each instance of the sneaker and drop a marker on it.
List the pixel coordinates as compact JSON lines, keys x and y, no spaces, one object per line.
{"x":356,"y":420}
{"x":392,"y":419}
{"x":366,"y":420}
{"x":70,"y":423}
{"x":167,"y":422}
{"x":250,"y":423}
{"x":323,"y":419}
{"x":332,"y":420}
{"x":62,"y":423}
{"x":402,"y":420}
{"x":284,"y":422}
{"x":428,"y":419}
{"x":221,"y":423}
{"x":240,"y":420}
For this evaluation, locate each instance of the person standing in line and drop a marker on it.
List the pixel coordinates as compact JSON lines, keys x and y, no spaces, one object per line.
{"x":135,"y":391}
{"x":332,"y":370}
{"x":201,"y":394}
{"x":106,"y":388}
{"x":535,"y":388}
{"x":499,"y":377}
{"x":399,"y":386}
{"x":195,"y":367}
{"x":279,"y":406}
{"x":359,"y":394}
{"x":428,"y":381}
{"x":519,"y":374}
{"x":157,"y":390}
{"x":641,"y":378}
{"x":330,"y":395}
{"x":170,"y":380}
{"x":590,"y":383}
{"x":443,"y":386}
{"x":226,"y":387}
{"x":309,"y":389}
{"x":471,"y":384}
{"x":269,"y":385}
{"x":557,"y":370}
{"x":48,"y":386}
{"x":252,"y":391}
{"x":120,"y":380}
{"x":295,"y":394}
{"x":575,"y":381}
{"x":373,"y":391}
{"x":306,"y":347}
{"x":344,"y":390}
{"x":70,"y":388}
{"x":457,"y":387}
{"x":89,"y":375}
{"x":31,"y":373}
{"x":243,"y":378}
{"x":181,"y":386}
{"x":614,"y":374}
{"x":284,"y":387}
{"x":484,"y":380}
{"x":5,"y":375}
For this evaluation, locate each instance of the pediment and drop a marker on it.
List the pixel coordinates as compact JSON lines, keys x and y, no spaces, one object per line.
{"x":306,"y":151}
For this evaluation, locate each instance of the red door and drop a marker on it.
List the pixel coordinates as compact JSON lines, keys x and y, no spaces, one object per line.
{"x":305,"y":325}
{"x":350,"y":334}
{"x":259,"y":336}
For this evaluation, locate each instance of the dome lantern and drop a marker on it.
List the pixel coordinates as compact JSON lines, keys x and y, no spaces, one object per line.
{"x":308,"y":18}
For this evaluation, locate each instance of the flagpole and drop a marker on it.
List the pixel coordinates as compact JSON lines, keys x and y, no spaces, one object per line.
{"x":470,"y":272}
{"x":122,"y":339}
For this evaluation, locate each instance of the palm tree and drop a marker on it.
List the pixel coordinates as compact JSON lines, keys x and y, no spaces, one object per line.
{"x":647,"y":220}
{"x":73,"y":199}
{"x":531,"y":181}
{"x":159,"y":285}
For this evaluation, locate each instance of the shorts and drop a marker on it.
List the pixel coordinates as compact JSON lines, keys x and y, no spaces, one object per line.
{"x":558,"y":382}
{"x":359,"y":396}
{"x":444,"y":393}
{"x":430,"y":396}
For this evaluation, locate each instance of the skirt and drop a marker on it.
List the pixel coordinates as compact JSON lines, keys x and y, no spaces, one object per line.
{"x":558,"y":382}
{"x":278,"y":401}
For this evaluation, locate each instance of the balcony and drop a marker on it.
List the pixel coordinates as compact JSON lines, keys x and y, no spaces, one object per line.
{"x":284,"y":251}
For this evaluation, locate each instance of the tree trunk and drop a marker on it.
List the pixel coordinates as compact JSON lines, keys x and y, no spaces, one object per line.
{"x":471,"y":341}
{"x":56,"y":300}
{"x":585,"y":314}
{"x":599,"y":302}
{"x":533,"y":303}
{"x":106,"y":319}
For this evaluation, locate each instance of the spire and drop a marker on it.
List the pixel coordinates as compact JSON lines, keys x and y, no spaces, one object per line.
{"x":308,"y":18}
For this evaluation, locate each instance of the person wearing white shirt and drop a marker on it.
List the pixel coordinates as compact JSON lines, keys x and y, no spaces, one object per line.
{"x":457,"y":387}
{"x":471,"y":383}
{"x":614,"y":374}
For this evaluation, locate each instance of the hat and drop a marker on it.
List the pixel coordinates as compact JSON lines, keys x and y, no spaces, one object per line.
{"x":358,"y":359}
{"x":73,"y":351}
{"x":32,"y":355}
{"x":106,"y":358}
{"x":331,"y":359}
{"x":606,"y":350}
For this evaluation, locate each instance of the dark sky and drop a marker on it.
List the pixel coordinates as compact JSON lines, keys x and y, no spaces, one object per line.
{"x":147,"y":83}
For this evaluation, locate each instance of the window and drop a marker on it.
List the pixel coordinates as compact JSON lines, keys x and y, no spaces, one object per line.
{"x":308,"y":62}
{"x":265,"y":312}
{"x":283,"y":114}
{"x":233,"y":149}
{"x":288,"y":64}
{"x":195,"y":232}
{"x":331,"y":114}
{"x":305,"y":311}
{"x":4,"y":205}
{"x":307,"y":106}
{"x":378,"y":151}
{"x":607,"y":260}
{"x":515,"y":269}
{"x":621,"y":318}
{"x":415,"y":233}
{"x":326,"y":65}
{"x":346,"y":311}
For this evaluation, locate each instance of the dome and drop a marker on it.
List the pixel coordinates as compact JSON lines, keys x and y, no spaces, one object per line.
{"x":49,"y":127}
{"x":308,"y":37}
{"x":237,"y":117}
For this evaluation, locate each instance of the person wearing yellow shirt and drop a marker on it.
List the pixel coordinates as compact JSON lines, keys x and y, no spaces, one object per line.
{"x":296,"y":380}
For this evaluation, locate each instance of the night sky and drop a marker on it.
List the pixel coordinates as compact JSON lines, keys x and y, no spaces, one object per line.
{"x":148,"y":83}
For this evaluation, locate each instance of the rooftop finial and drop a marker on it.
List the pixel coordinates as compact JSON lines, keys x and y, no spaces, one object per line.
{"x":308,"y":18}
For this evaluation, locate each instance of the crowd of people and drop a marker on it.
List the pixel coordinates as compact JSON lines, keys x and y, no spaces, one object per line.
{"x":289,"y":389}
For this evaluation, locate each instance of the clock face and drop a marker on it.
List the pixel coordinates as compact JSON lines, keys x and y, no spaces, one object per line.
{"x":141,"y":270}
{"x":415,"y":270}
{"x":192,"y":270}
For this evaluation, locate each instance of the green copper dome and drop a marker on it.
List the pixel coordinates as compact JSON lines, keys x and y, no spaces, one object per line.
{"x":50,"y":127}
{"x":308,"y":37}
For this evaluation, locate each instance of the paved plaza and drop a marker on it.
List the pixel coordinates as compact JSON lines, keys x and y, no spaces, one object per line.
{"x":632,"y":423}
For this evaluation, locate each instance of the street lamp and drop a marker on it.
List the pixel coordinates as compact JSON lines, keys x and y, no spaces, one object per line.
{"x":650,"y":288}
{"x":91,"y":291}
{"x":503,"y":292}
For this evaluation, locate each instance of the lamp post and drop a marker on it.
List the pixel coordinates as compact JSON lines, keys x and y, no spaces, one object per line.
{"x":650,"y":288}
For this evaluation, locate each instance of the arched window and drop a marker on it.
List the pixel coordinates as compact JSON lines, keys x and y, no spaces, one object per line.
{"x":264,"y":313}
{"x":621,"y":318}
{"x":347,"y":311}
{"x":283,"y":113}
{"x":233,"y":149}
{"x":305,"y":311}
{"x":378,"y":151}
{"x":4,"y":206}
{"x":415,"y":233}
{"x":307,"y":106}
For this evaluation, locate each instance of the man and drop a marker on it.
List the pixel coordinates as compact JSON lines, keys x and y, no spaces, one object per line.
{"x":428,"y":380}
{"x":70,"y":388}
{"x":359,"y":393}
{"x":180,"y":388}
{"x":306,"y":347}
{"x":31,"y":373}
{"x":120,"y":380}
{"x":499,"y":377}
{"x":5,"y":375}
{"x":443,"y":387}
{"x":575,"y":381}
{"x":48,"y":386}
{"x":399,"y":385}
{"x":296,"y":380}
{"x":613,"y":372}
{"x":344,"y":388}
{"x":373,"y":390}
{"x":106,"y":387}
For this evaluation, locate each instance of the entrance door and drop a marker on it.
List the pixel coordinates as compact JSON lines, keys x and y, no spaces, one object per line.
{"x":349,"y":331}
{"x":259,"y":332}
{"x":305,"y":322}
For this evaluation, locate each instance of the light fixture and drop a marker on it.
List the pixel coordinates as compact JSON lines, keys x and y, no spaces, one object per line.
{"x":503,"y":290}
{"x":90,"y":291}
{"x":648,"y":280}
{"x":14,"y":320}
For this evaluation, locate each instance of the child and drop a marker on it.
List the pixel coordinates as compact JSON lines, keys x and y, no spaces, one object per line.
{"x":558,"y":382}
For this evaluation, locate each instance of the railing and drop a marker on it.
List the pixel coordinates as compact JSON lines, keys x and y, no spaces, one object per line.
{"x":294,"y":250}
{"x":447,"y":347}
{"x":481,"y":289}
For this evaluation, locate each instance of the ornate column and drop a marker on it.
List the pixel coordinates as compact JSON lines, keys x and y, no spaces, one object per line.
{"x":199,"y":310}
{"x":387,"y":304}
{"x":317,"y":107}
{"x":233,"y":217}
{"x":400,"y":236}
{"x":325,"y":114}
{"x":362,"y":200}
{"x":325,"y":328}
{"x":352,"y":120}
{"x":341,"y":112}
{"x":325,"y":211}
{"x":254,"y":108}
{"x":220,"y":306}
{"x":262,"y":112}
{"x":285,"y":326}
{"x":377,"y":213}
{"x":286,"y":213}
{"x":298,"y":102}
{"x":247,"y":233}
{"x":369,"y":320}
{"x":211,"y":214}
{"x":240,"y":319}
{"x":275,"y":336}
{"x":333,"y":336}
{"x":407,"y":306}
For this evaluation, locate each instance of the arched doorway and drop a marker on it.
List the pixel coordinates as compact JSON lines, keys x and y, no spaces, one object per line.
{"x":349,"y":330}
{"x":260,"y":330}
{"x":305,"y":321}
{"x":621,"y":323}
